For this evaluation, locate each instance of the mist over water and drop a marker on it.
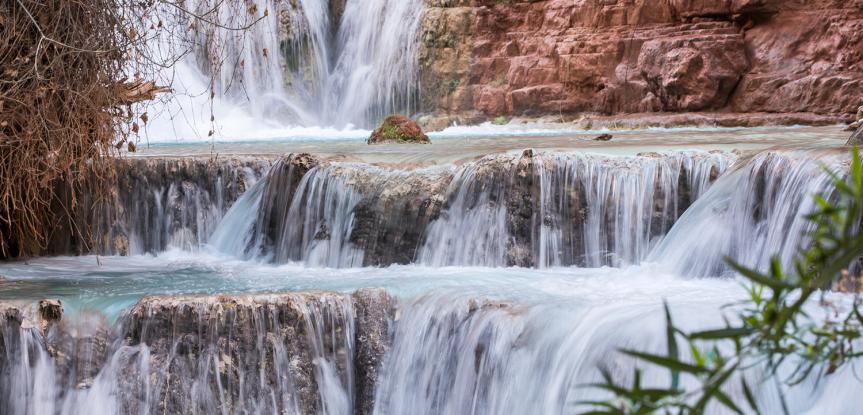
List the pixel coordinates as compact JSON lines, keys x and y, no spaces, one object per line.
{"x":299,"y":69}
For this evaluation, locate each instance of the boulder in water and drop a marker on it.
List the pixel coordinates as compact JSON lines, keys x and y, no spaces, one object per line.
{"x":399,"y":129}
{"x":856,"y":138}
{"x":604,"y":137}
{"x":51,"y":310}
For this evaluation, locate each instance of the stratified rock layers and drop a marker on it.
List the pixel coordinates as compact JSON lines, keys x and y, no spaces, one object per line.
{"x":483,"y":58}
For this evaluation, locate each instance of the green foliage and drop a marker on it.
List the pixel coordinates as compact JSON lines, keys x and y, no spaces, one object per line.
{"x":502,"y":120}
{"x":771,"y":328}
{"x":451,"y":85}
{"x":393,"y":132}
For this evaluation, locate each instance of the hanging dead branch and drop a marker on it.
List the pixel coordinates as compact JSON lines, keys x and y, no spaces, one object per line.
{"x":64,"y":107}
{"x":73,"y":75}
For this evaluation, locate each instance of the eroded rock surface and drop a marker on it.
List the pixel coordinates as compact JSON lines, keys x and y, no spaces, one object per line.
{"x":484,"y":58}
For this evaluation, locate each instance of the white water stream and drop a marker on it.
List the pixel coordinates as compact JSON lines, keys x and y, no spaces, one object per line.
{"x":466,"y":337}
{"x":514,"y":278}
{"x":297,"y":68}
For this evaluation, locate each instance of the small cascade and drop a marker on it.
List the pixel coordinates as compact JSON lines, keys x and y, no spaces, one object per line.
{"x":161,"y":205}
{"x":751,"y":214}
{"x":533,"y":210}
{"x":598,"y":211}
{"x":472,"y":230}
{"x":342,"y":214}
{"x":320,"y":220}
{"x":281,"y":353}
{"x":562,"y":209}
{"x":26,"y":369}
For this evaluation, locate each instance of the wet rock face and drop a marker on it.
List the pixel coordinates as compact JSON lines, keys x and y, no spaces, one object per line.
{"x":398,"y":129}
{"x":374,"y":336}
{"x":346,"y":214}
{"x":215,"y":354}
{"x":67,"y":356}
{"x":522,"y":199}
{"x":293,"y":353}
{"x":157,"y":204}
{"x":286,"y":353}
{"x":623,"y":56}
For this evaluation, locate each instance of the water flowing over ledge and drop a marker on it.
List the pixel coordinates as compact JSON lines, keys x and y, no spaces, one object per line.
{"x":607,"y":239}
{"x":363,"y":353}
{"x":281,"y":353}
{"x":543,"y":209}
{"x":686,"y":209}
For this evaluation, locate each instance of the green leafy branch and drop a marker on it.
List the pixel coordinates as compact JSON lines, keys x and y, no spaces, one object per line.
{"x":771,"y":328}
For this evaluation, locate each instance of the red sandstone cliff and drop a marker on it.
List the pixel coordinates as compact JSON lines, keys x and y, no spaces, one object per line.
{"x":543,"y":57}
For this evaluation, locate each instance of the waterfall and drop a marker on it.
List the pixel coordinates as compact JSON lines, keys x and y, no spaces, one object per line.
{"x":306,"y":63}
{"x":566,"y":208}
{"x":168,"y":204}
{"x":751,"y":214}
{"x":457,"y":355}
{"x":286,"y":353}
{"x":472,"y":230}
{"x":335,"y":214}
{"x":621,"y":206}
{"x":543,"y":210}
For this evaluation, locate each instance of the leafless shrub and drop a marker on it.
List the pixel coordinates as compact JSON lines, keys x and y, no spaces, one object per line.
{"x":72,"y":75}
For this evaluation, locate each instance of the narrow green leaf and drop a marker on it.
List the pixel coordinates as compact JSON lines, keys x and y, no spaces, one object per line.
{"x":759,"y":278}
{"x":721,"y":334}
{"x":856,"y":168}
{"x":722,"y":397}
{"x":750,"y":397}
{"x":666,"y":362}
{"x":673,"y":352}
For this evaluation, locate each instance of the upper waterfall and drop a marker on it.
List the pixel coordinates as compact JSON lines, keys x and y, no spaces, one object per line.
{"x":269,"y":64}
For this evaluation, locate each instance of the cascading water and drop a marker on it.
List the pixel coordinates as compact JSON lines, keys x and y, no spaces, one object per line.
{"x":274,"y":64}
{"x":548,"y":209}
{"x":604,"y":211}
{"x":457,"y":355}
{"x":751,"y":214}
{"x":171,"y":204}
{"x":472,"y":230}
{"x":337,"y":214}
{"x":290,"y":353}
{"x":591,"y":211}
{"x":452,"y":339}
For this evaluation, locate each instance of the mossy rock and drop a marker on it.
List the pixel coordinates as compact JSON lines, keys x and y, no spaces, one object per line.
{"x":399,"y":129}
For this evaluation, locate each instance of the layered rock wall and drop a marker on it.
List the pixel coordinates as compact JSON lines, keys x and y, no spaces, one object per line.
{"x":487,"y":58}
